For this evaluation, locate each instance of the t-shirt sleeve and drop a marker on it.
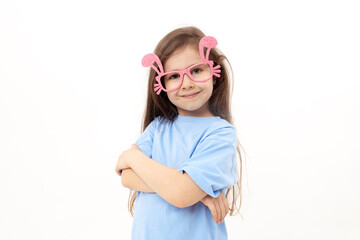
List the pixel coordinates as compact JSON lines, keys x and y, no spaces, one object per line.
{"x":146,"y":139}
{"x":212,"y":166}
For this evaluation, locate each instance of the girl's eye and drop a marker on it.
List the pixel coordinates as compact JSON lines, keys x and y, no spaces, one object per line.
{"x":174,"y":76}
{"x":196,"y":71}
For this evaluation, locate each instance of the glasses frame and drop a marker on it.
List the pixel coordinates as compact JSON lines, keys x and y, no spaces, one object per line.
{"x":188,"y":73}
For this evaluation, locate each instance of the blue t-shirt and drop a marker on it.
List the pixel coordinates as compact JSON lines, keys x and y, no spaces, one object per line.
{"x":204,"y":148}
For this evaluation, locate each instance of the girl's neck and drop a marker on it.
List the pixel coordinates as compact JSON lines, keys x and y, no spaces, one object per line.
{"x":203,"y":111}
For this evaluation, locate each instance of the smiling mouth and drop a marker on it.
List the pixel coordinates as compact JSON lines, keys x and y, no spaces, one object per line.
{"x":191,"y":95}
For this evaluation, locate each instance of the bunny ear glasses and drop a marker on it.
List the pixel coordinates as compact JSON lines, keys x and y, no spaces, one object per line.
{"x":200,"y":72}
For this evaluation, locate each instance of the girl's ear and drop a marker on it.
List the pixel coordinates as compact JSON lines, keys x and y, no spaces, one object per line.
{"x":214,"y":81}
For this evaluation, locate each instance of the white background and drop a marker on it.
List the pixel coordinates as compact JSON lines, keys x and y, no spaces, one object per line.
{"x":72,"y":95}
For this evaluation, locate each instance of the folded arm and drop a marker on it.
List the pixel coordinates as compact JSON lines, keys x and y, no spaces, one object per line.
{"x":176,"y":188}
{"x":218,"y":206}
{"x":130,"y":179}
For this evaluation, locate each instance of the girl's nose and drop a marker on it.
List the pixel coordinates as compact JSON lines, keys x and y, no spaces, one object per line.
{"x":187,"y":82}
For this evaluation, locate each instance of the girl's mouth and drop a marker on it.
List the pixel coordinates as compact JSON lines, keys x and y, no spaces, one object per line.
{"x":191,"y":95}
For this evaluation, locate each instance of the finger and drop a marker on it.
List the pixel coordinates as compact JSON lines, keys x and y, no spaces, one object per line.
{"x":118,"y":171}
{"x":116,"y":168}
{"x":213,"y":211}
{"x":226,"y":204}
{"x":227,"y":207}
{"x":218,"y":211}
{"x":224,"y":209}
{"x":220,"y":202}
{"x":204,"y":200}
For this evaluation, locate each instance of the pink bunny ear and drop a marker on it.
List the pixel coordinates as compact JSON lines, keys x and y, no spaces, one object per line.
{"x":206,"y":42}
{"x":209,"y":42}
{"x":148,"y":61}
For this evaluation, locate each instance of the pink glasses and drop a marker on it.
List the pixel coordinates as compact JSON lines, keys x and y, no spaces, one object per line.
{"x":200,"y":72}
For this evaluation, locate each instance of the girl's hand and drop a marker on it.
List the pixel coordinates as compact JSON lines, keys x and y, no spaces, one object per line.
{"x":124,"y":158}
{"x":219,"y":206}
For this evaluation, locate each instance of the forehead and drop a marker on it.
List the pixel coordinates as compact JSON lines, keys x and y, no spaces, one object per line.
{"x":182,"y":58}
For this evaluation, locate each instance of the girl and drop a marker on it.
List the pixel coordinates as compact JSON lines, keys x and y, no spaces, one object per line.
{"x":184,"y":162}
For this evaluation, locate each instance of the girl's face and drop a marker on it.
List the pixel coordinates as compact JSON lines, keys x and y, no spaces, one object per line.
{"x":192,"y":98}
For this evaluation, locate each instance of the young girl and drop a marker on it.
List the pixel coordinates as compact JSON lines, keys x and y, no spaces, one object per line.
{"x":183,"y":164}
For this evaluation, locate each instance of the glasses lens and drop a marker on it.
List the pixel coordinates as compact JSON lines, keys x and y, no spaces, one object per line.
{"x":171,"y":81}
{"x":201,"y":72}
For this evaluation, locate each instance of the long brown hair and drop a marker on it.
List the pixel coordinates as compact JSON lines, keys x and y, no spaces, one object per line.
{"x":219,"y":102}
